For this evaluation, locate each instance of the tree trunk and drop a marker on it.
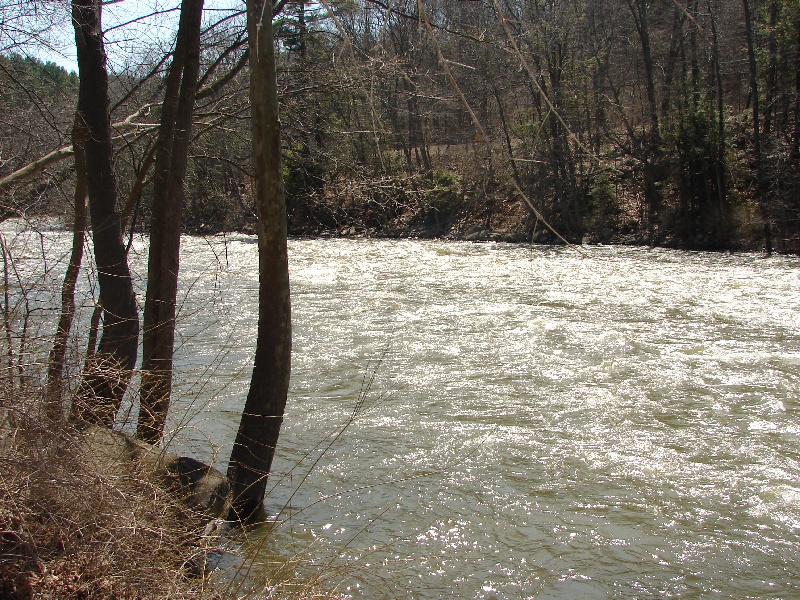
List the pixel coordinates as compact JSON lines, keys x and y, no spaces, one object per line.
{"x":506,"y":135}
{"x":694,"y":15}
{"x":672,"y":57}
{"x":795,"y":149}
{"x":652,"y":146}
{"x":55,"y":369}
{"x":254,"y":448}
{"x":106,"y":380}
{"x":165,"y":237}
{"x":772,"y":67}
{"x":761,"y":182}
{"x":724,"y":208}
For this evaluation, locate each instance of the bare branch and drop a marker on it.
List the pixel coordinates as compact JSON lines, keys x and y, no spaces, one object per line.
{"x":35,"y":167}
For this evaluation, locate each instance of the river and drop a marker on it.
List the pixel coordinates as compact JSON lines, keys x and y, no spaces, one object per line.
{"x":504,"y":421}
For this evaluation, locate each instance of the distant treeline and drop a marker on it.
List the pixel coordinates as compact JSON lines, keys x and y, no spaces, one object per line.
{"x":669,"y":122}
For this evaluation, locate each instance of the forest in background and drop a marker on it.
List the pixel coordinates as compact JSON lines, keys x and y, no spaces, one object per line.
{"x":665,"y":122}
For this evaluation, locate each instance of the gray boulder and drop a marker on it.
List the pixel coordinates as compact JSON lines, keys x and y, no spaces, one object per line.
{"x":196,"y":484}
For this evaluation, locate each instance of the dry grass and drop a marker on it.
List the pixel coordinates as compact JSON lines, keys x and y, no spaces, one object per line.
{"x":75,"y":523}
{"x":69,"y":528}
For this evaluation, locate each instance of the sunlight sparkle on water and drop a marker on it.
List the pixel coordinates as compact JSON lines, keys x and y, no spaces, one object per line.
{"x":614,"y":422}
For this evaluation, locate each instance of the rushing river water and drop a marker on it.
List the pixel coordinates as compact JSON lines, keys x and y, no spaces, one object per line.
{"x":596,"y":422}
{"x":537,"y":422}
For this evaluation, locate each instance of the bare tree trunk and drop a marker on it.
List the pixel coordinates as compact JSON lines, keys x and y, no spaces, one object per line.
{"x":106,"y":380}
{"x":55,"y":369}
{"x":9,"y":378}
{"x":761,"y":182}
{"x":672,"y":56}
{"x":772,"y":67}
{"x":35,"y":167}
{"x":795,"y":149}
{"x":694,"y":16}
{"x":652,"y":146}
{"x":254,"y":448}
{"x":723,"y":207}
{"x":416,"y":132}
{"x":165,"y":237}
{"x":506,"y":135}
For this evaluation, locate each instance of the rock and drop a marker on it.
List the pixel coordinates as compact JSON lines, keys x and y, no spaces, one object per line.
{"x":197,"y":485}
{"x":477,"y":235}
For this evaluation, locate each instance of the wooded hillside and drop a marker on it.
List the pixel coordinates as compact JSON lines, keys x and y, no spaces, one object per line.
{"x":673,"y":122}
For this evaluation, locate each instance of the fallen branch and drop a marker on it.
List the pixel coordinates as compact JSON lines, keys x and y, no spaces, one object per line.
{"x":36,"y":166}
{"x":40,"y":164}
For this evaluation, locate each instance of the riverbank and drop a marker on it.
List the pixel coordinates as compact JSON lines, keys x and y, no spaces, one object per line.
{"x":74,"y":527}
{"x":87,"y":512}
{"x":444,"y":205}
{"x":450,"y":210}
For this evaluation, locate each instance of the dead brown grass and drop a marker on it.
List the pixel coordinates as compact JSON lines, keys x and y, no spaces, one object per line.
{"x":79,"y":522}
{"x":70,"y":528}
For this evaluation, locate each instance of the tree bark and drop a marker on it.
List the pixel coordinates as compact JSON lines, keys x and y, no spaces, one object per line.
{"x":254,"y":448}
{"x":723,"y":207}
{"x":761,"y":182}
{"x":772,"y":66}
{"x":672,"y":57}
{"x":55,"y":368}
{"x":651,"y":161}
{"x":795,"y":149}
{"x":106,"y":380}
{"x":172,"y":153}
{"x":35,"y":167}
